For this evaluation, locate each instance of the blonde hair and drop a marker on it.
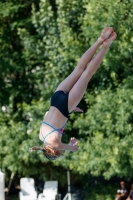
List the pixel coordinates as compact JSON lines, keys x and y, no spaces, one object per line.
{"x":47,"y":152}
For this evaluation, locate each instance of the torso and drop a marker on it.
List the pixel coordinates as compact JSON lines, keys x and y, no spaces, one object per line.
{"x":56,"y":119}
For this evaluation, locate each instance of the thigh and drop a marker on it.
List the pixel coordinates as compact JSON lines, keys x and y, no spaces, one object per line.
{"x":67,"y":84}
{"x":77,"y":92}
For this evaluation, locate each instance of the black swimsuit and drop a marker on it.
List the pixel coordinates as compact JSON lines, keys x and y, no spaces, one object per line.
{"x":60,"y":101}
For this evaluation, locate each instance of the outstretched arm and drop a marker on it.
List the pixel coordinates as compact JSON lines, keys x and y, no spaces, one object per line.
{"x":68,"y":147}
{"x":73,"y":146}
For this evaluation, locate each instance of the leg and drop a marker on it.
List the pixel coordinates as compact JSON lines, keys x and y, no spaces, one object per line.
{"x":78,"y":90}
{"x":69,"y":82}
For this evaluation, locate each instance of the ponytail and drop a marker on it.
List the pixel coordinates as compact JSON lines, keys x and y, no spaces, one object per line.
{"x":46,"y":152}
{"x":36,"y":149}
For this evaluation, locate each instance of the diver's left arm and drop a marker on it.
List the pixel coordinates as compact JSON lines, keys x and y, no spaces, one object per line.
{"x":73,"y":146}
{"x":68,"y":147}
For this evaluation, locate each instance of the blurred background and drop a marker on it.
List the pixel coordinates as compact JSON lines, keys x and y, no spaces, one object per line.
{"x":41,"y":42}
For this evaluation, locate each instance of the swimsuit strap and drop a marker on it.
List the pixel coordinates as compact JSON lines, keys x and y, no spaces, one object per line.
{"x":57,"y":129}
{"x":54,"y":129}
{"x":45,"y":135}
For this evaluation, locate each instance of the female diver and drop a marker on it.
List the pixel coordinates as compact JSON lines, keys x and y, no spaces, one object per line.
{"x":67,"y":96}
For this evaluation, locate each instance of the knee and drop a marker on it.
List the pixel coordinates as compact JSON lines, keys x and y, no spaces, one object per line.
{"x":85,"y":77}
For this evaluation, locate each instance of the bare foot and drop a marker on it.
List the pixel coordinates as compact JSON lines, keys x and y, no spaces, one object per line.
{"x":109,"y":41}
{"x":105,"y":34}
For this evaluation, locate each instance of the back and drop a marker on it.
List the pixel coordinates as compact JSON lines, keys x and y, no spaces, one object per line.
{"x":55,"y":118}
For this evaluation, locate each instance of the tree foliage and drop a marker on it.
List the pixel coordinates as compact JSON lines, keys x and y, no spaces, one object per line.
{"x":41,"y":42}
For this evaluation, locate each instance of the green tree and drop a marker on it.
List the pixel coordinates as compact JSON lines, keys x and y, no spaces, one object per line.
{"x":41,"y":42}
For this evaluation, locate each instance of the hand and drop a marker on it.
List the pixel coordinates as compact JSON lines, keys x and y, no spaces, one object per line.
{"x":77,"y":109}
{"x":73,"y":141}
